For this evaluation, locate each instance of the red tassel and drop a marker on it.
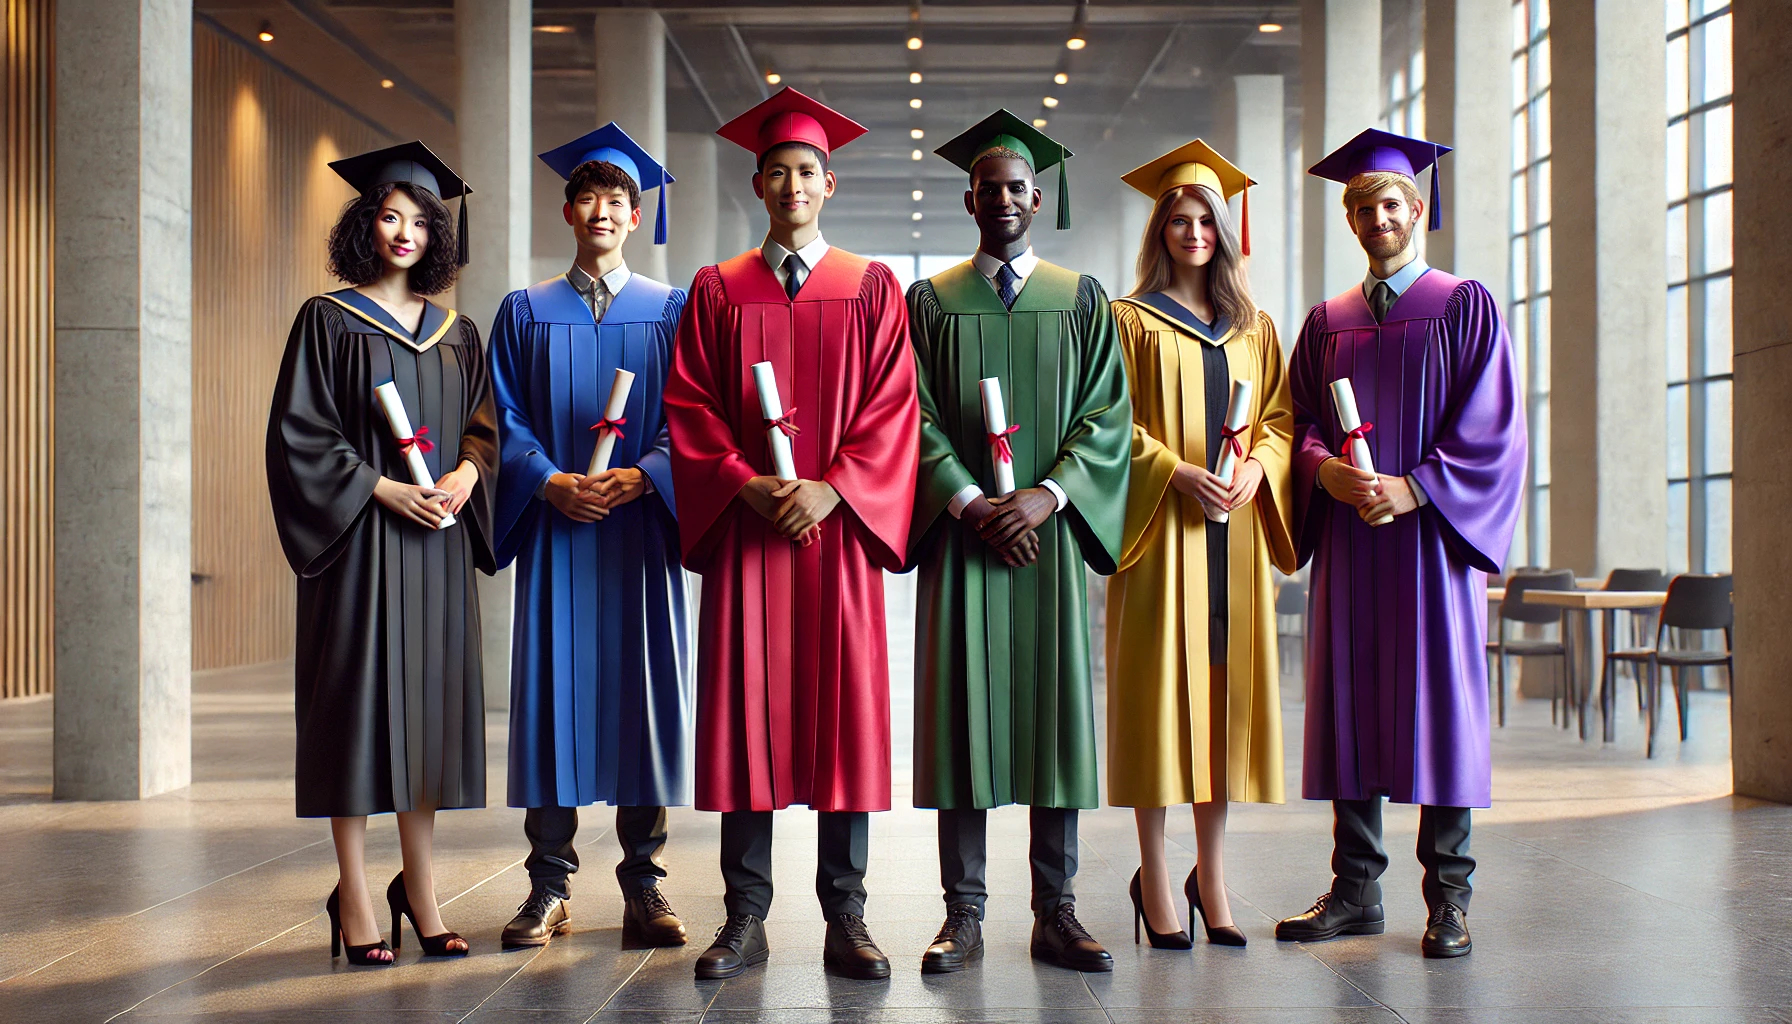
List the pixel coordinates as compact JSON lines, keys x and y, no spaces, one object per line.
{"x":1244,"y":230}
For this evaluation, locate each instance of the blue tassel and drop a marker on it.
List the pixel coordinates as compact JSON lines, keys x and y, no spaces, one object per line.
{"x":659,"y":220}
{"x":1437,"y":207}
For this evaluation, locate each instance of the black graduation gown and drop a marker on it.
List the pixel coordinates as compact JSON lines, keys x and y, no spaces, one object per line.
{"x":388,"y":694}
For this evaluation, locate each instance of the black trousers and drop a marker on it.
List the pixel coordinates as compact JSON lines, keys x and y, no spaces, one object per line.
{"x":640,"y":830}
{"x":841,"y":851}
{"x":1358,"y":858}
{"x":1051,"y":852}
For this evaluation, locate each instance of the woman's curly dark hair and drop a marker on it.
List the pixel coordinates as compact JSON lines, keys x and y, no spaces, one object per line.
{"x":355,"y":261}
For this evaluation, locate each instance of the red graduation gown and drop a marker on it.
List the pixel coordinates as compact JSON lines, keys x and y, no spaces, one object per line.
{"x":793,"y":694}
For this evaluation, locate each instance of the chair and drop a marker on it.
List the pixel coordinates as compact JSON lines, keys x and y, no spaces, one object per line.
{"x":1291,"y":602}
{"x":1696,"y":602}
{"x":1513,"y":609}
{"x":1628,"y":580}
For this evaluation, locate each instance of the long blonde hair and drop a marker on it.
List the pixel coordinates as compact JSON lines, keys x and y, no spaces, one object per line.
{"x":1228,"y":286}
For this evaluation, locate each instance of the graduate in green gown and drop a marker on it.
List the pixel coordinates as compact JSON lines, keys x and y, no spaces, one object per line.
{"x":1004,"y":710}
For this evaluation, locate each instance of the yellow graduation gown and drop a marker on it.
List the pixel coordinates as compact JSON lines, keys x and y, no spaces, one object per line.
{"x":1160,"y":709}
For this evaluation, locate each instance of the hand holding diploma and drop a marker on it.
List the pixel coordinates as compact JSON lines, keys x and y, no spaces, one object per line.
{"x":995,"y":423}
{"x":1355,"y":430}
{"x":1232,"y":450}
{"x":413,"y":444}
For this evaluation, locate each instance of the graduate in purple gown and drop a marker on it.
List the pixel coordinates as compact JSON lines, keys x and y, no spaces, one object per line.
{"x":1396,"y":677}
{"x":600,"y":706}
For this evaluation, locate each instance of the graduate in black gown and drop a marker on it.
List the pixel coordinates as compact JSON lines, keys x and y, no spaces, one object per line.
{"x":389,"y":700}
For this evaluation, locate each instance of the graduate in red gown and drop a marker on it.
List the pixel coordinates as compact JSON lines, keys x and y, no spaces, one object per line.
{"x":792,"y":668}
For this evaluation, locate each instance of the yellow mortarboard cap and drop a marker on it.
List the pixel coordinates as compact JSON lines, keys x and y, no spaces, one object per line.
{"x":1195,"y":163}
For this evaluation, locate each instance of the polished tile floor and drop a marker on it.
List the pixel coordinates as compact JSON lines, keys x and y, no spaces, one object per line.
{"x":1610,"y":889}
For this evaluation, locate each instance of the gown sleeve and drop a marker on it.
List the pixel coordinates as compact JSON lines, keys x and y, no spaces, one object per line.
{"x":479,"y":446}
{"x":1095,"y":456}
{"x":1153,"y":464}
{"x":708,"y":468}
{"x":524,"y":464}
{"x":656,"y":462}
{"x":940,"y":473}
{"x":1274,"y":448}
{"x":873,"y":468}
{"x":1473,"y":474}
{"x":1306,"y":388}
{"x":317,"y":480}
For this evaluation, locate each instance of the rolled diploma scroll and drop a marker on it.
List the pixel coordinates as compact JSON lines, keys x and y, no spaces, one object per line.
{"x":1236,"y":413}
{"x":1344,"y":397}
{"x":773,"y":409}
{"x":606,"y":438}
{"x":995,"y":421}
{"x":393,"y":405}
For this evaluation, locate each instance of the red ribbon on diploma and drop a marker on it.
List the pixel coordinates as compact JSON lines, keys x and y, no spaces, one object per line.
{"x":1000,"y":443}
{"x":1230,"y":438}
{"x":614,"y":426}
{"x":1359,"y":433}
{"x":785,"y":424}
{"x":418,"y":441}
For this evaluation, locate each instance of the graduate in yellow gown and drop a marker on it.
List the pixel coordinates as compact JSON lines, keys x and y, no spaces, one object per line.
{"x":1193,"y":713}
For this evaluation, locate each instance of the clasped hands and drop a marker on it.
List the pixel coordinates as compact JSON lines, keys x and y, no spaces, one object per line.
{"x":1216,"y":495}
{"x":1374,"y":494}
{"x":795,"y":508}
{"x":588,"y":498}
{"x":1008,"y":523}
{"x":426,"y":506}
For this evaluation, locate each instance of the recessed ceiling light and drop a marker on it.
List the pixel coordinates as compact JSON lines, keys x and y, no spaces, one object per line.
{"x":1050,"y":102}
{"x":386,"y":83}
{"x":914,"y":78}
{"x":916,"y":195}
{"x":773,"y":78}
{"x":915,"y":104}
{"x":1075,"y":43}
{"x":914,"y":234}
{"x":266,"y":32}
{"x":1061,"y":78}
{"x":916,"y":133}
{"x":1269,"y":26}
{"x":556,"y":30}
{"x":914,"y":154}
{"x":915,"y":216}
{"x":914,"y":42}
{"x":1039,"y":122}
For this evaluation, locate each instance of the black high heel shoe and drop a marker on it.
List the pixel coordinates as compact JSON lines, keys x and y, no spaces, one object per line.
{"x":360,"y":956}
{"x":1159,"y":940}
{"x":1224,"y":935}
{"x":433,"y":945}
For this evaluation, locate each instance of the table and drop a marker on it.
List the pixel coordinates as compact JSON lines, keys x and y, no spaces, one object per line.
{"x":1585,"y":603}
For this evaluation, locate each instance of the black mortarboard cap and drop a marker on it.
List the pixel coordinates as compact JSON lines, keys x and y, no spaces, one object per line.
{"x":409,"y":163}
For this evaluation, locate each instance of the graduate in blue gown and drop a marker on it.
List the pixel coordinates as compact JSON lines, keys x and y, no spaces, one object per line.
{"x":600,"y":705}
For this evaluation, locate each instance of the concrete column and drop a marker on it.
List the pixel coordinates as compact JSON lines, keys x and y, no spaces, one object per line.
{"x":1468,"y":105}
{"x":735,"y":226}
{"x":631,"y":91}
{"x":1255,"y":138}
{"x":1340,"y":67}
{"x":124,"y":403}
{"x":1608,"y":311}
{"x":691,"y":157}
{"x":493,"y":41}
{"x":1761,"y":703}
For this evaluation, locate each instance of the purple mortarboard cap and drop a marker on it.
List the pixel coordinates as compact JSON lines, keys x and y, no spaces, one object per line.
{"x":1376,"y":150}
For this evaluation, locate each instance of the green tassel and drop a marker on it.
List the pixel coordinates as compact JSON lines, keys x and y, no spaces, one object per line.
{"x":1063,"y":195}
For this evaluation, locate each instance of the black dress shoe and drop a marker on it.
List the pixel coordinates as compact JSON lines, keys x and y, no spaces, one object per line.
{"x":740,"y":944}
{"x":1059,"y":938}
{"x":541,"y":917}
{"x":1330,"y":917}
{"x":959,"y":942}
{"x":648,"y":920}
{"x":850,"y":952}
{"x":1446,"y":934}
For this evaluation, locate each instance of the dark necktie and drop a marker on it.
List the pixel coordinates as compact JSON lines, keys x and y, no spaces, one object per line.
{"x":1381,"y":300}
{"x":1005,"y":278}
{"x":794,"y":272}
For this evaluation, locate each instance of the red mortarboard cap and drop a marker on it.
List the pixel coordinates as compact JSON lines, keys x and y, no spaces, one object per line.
{"x":1376,"y":150}
{"x":789,"y":116}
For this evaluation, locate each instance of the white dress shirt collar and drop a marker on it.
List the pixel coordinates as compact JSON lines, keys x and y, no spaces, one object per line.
{"x":1022,"y":265}
{"x":1402,"y":279}
{"x":775,"y":254}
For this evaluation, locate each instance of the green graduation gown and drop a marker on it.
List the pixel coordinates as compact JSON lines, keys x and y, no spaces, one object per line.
{"x":1003,"y":704}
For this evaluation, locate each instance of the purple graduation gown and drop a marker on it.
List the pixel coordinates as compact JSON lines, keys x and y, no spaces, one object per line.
{"x":1396,"y":674}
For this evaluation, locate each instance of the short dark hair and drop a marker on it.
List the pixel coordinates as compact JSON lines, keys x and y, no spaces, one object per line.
{"x":356,"y":261}
{"x":820,"y":157}
{"x":1000,"y":152}
{"x":602,"y":176}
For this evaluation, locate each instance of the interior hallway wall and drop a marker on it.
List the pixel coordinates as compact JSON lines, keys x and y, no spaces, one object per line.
{"x":263,"y":205}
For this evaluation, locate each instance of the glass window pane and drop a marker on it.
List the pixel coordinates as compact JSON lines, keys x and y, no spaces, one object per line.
{"x":1717,"y":426}
{"x":1716,"y":34}
{"x":1544,"y":195}
{"x":1416,"y":71}
{"x":1677,"y":243}
{"x":1540,"y":344}
{"x":1521,"y":268}
{"x":1521,"y":211}
{"x":1518,"y":324}
{"x":1719,"y":128}
{"x":1717,"y":525}
{"x":1677,"y":161}
{"x":1677,"y":333}
{"x":1717,"y":232}
{"x":1520,"y":35}
{"x":1396,"y":89}
{"x":1415,"y":115}
{"x":1540,"y":527}
{"x":1521,"y":139}
{"x":1540,"y":66}
{"x":1539,"y":17}
{"x":1540,"y":442}
{"x":1677,"y":542}
{"x":1676,"y":14}
{"x":1717,"y":326}
{"x":1677,"y":69}
{"x":1540,"y":132}
{"x":1677,"y":426}
{"x":1520,"y":83}
{"x":1542,"y":256}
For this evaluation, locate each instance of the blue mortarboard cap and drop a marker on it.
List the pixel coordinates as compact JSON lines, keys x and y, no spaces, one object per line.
{"x":1376,"y":150}
{"x":611,"y":145}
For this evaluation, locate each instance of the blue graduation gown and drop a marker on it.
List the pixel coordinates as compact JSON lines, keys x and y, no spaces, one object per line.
{"x":600,"y":680}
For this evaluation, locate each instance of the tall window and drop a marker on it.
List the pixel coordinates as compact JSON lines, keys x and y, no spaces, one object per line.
{"x":1528,"y":316}
{"x":1405,"y":110}
{"x":1698,"y":280}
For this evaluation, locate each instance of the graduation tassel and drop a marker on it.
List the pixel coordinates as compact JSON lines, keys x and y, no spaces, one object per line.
{"x":1244,"y":221}
{"x":659,"y":219}
{"x":1063,"y":195}
{"x":1436,"y":219}
{"x":462,"y":239}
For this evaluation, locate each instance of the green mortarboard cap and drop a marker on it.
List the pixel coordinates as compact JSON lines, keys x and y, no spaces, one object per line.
{"x":1003,"y":130}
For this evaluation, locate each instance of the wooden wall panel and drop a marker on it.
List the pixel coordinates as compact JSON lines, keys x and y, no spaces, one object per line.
{"x":27,"y":364}
{"x":263,"y":204}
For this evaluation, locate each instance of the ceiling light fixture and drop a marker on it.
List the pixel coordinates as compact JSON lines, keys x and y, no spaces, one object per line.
{"x":1079,"y":27}
{"x":914,"y":78}
{"x":556,"y":30}
{"x":773,"y":78}
{"x":1061,"y":78}
{"x":916,"y":195}
{"x":266,"y":32}
{"x":1051,"y":102}
{"x":916,"y":133}
{"x":914,"y":234}
{"x":1270,"y":26}
{"x":914,"y":26}
{"x":915,"y":216}
{"x":1039,"y":122}
{"x":914,"y":154}
{"x":386,"y":83}
{"x":915,"y":104}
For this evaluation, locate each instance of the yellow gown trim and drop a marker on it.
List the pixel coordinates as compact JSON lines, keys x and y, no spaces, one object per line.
{"x":418,"y":346}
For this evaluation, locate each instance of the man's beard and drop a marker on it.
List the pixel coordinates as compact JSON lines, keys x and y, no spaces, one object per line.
{"x":1389,"y":244}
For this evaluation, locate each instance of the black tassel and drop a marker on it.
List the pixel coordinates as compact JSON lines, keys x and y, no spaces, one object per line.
{"x":462,"y":239}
